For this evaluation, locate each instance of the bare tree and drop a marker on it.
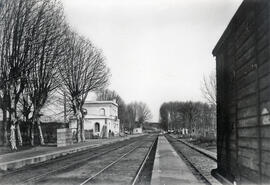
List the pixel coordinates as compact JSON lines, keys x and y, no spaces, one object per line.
{"x":163,"y":116}
{"x":175,"y":115}
{"x":3,"y":107}
{"x":46,"y":52}
{"x":143,"y":112}
{"x":31,"y":44}
{"x":130,"y":116}
{"x":139,"y":113}
{"x":16,"y":16}
{"x":108,"y":95}
{"x":84,"y":70}
{"x":191,"y":113}
{"x":208,"y":88}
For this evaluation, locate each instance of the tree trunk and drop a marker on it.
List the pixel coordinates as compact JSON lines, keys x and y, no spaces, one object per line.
{"x":82,"y":129}
{"x":32,"y":138}
{"x":14,"y":120}
{"x":19,"y":135}
{"x":12,"y":137}
{"x":28,"y":132}
{"x":78,"y":131}
{"x":40,"y":132}
{"x":5,"y":125}
{"x":12,"y":131}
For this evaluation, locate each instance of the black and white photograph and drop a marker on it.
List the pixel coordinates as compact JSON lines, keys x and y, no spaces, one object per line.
{"x":135,"y":92}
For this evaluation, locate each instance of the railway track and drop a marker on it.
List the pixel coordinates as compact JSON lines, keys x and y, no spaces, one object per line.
{"x":32,"y":174}
{"x":117,"y":167}
{"x":37,"y":178}
{"x":199,"y":162}
{"x":84,"y":167}
{"x":61,"y":159}
{"x":119,"y":160}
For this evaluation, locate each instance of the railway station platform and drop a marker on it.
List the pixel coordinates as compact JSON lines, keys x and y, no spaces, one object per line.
{"x":38,"y":154}
{"x":169,"y":168}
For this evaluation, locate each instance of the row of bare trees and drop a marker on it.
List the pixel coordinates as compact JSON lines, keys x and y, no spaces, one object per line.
{"x":189,"y":115}
{"x":131,"y":115}
{"x":40,"y":54}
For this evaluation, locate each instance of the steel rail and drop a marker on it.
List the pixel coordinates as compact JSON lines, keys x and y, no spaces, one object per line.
{"x":198,"y":150}
{"x":111,"y":164}
{"x":190,"y":163}
{"x":39,"y":177}
{"x":143,"y":163}
{"x":59,"y":159}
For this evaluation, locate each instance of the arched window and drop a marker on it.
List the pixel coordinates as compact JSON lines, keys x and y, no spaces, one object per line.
{"x":97,"y":127}
{"x":102,"y":112}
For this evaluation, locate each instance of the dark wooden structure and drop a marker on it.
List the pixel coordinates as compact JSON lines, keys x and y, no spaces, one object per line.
{"x":243,"y":95}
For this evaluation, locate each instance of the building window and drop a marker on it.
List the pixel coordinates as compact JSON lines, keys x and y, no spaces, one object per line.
{"x":97,"y":127}
{"x":102,"y":112}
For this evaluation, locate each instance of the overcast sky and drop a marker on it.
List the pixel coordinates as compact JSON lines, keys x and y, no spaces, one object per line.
{"x":157,"y":50}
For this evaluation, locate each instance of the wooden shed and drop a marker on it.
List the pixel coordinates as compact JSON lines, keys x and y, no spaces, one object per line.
{"x":243,"y":95}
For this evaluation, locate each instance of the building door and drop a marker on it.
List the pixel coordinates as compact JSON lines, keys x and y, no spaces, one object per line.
{"x":97,"y":127}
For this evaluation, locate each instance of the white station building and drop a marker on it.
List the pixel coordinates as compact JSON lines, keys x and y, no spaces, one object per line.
{"x":101,"y":118}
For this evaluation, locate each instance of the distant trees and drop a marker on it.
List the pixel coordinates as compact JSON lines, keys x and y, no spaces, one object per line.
{"x":143,"y":112}
{"x":190,"y":112}
{"x":164,"y":116}
{"x":40,"y":54}
{"x":138,"y":113}
{"x":190,"y":115}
